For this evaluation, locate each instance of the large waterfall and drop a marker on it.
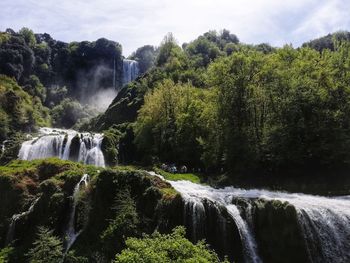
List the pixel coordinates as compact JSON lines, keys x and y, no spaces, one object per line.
{"x":64,"y":144}
{"x":130,"y":70}
{"x":324,"y":222}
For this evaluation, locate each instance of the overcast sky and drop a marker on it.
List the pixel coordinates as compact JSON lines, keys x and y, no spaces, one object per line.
{"x":134,"y":23}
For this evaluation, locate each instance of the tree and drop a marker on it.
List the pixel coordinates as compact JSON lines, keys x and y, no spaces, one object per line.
{"x":202,"y":52}
{"x":172,"y":247}
{"x":28,"y":36}
{"x":174,"y":124}
{"x":146,"y":56}
{"x":46,"y":248}
{"x":35,"y":88}
{"x":122,"y":226}
{"x":5,"y":254}
{"x":168,"y":46}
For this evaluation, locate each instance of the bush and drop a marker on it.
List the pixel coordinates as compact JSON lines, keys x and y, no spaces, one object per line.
{"x":173,"y":247}
{"x":47,"y":248}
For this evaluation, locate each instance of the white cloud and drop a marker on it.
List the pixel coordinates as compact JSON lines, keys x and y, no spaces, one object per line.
{"x":134,"y":23}
{"x":330,"y":17}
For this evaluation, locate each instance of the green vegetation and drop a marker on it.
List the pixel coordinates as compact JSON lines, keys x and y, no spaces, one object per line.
{"x":73,"y":65}
{"x":179,"y":176}
{"x":18,"y":110}
{"x":173,"y":247}
{"x":247,"y":111}
{"x":117,"y":203}
{"x":146,"y":56}
{"x":69,"y":113}
{"x":46,"y":248}
{"x":5,"y":254}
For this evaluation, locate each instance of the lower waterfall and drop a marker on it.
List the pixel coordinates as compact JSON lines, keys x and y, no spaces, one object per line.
{"x":15,"y":218}
{"x":72,"y":233}
{"x":324,"y":222}
{"x":64,"y":144}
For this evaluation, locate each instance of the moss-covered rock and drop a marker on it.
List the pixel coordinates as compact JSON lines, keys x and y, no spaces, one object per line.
{"x":74,"y":148}
{"x":49,"y":184}
{"x":110,"y":146}
{"x":278,"y":232}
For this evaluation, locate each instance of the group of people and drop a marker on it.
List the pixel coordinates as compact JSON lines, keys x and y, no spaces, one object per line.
{"x":171,"y":168}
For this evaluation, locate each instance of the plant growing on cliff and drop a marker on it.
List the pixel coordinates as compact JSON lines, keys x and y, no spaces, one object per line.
{"x":46,"y":248}
{"x":172,"y":247}
{"x":123,"y":225}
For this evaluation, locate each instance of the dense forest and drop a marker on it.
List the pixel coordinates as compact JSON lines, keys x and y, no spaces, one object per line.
{"x":251,"y":111}
{"x":215,"y":104}
{"x":231,"y":113}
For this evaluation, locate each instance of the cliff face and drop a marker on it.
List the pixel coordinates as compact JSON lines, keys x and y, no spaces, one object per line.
{"x":93,"y":210}
{"x":41,"y":193}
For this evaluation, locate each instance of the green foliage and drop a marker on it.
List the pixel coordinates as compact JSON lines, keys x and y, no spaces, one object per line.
{"x":35,"y":88}
{"x":55,"y":95}
{"x":123,"y":225}
{"x":179,"y":176}
{"x":68,"y":113}
{"x":5,"y":254}
{"x":46,"y":248}
{"x":271,"y":107}
{"x":110,"y":146}
{"x":28,"y":36}
{"x":172,"y":122}
{"x":328,"y":42}
{"x":18,"y":110}
{"x":146,"y":56}
{"x":202,"y":51}
{"x":173,"y":247}
{"x":167,"y":49}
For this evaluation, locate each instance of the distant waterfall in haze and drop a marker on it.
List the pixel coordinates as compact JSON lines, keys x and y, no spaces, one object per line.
{"x":72,"y":233}
{"x":130,"y":70}
{"x":324,"y":222}
{"x":64,"y":144}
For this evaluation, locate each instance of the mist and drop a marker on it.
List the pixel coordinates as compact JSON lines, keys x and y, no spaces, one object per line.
{"x":102,"y":99}
{"x":96,"y":87}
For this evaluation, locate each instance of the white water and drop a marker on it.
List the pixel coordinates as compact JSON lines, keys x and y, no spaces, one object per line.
{"x":130,"y":70}
{"x":324,"y":221}
{"x":3,"y":147}
{"x":72,"y":233}
{"x":15,"y":218}
{"x":194,"y":194}
{"x":57,"y":143}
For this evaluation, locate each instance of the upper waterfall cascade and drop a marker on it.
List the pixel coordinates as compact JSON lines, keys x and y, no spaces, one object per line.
{"x":58,"y":143}
{"x":130,"y":70}
{"x":324,"y":221}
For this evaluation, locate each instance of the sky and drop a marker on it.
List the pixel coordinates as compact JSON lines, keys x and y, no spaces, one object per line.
{"x":135,"y":23}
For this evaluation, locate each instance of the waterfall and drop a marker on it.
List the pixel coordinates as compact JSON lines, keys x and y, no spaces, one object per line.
{"x":196,"y":194}
{"x":72,"y":233}
{"x":59,"y":143}
{"x":3,"y":147}
{"x":130,"y":70}
{"x":324,"y":221}
{"x":15,"y":218}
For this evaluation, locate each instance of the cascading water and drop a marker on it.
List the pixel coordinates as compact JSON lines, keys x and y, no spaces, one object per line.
{"x":324,"y":222}
{"x":3,"y":147}
{"x":58,"y":143}
{"x":195,"y":194}
{"x":15,"y":218}
{"x":72,"y":233}
{"x":130,"y":70}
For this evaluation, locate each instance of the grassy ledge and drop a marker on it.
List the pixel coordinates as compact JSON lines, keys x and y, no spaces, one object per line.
{"x":178,"y":176}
